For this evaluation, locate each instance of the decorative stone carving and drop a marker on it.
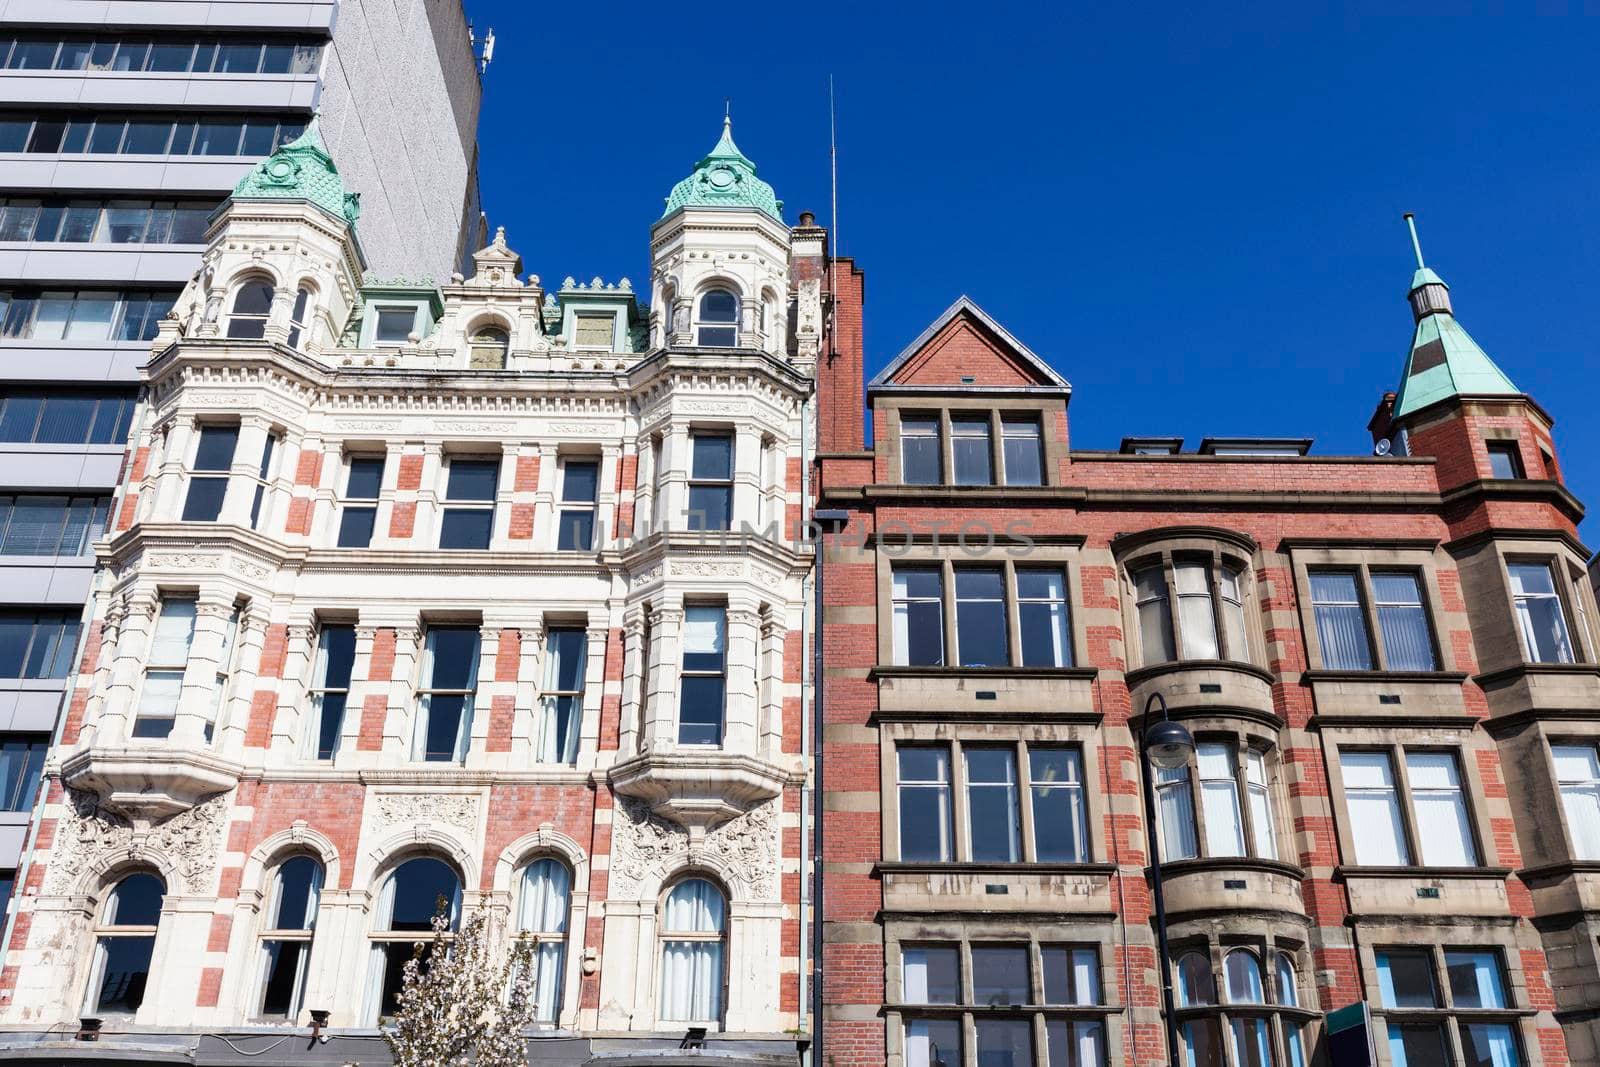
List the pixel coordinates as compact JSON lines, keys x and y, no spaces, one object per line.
{"x":699,"y":568}
{"x":642,"y":843}
{"x":183,"y":561}
{"x":189,"y":841}
{"x":453,"y":809}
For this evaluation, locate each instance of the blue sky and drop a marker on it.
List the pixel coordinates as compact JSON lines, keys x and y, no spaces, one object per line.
{"x":1195,"y":218}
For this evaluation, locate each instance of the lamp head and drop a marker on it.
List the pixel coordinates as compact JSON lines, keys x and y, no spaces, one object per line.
{"x":1168,"y":744}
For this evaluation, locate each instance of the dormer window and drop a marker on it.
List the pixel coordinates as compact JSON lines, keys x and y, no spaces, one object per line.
{"x":488,"y":348}
{"x":394,"y":325}
{"x":717,"y":324}
{"x":594,"y":331}
{"x":251,"y":305}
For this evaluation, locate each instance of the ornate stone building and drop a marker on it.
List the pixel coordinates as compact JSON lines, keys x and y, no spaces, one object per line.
{"x":485,"y":593}
{"x":1389,"y":665}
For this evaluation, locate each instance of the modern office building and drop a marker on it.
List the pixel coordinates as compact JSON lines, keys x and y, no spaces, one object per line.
{"x":122,"y":127}
{"x":482,"y":593}
{"x":1388,"y":663}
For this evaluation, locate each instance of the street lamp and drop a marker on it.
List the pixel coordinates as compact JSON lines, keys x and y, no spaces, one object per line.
{"x":1164,"y":744}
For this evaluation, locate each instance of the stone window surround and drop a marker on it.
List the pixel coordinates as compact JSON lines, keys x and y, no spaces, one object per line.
{"x":997,"y":929}
{"x":1240,"y":734}
{"x":265,"y":903}
{"x":951,"y":556}
{"x":888,"y":410}
{"x":1216,"y":547}
{"x":1215,"y":946}
{"x":94,"y":910}
{"x":178,"y":441}
{"x":1370,"y":938}
{"x":951,"y":736}
{"x":1363,"y":561}
{"x":1577,"y":733}
{"x":1572,"y":588}
{"x":1397,"y":743}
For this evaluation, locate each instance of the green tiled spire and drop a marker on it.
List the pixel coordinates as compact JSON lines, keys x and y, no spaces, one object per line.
{"x":725,"y":178}
{"x":302,"y":170}
{"x":1445,"y":361}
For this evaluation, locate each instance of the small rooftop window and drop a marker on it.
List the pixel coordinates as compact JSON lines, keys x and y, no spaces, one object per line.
{"x":1151,"y":446}
{"x":1255,"y":446}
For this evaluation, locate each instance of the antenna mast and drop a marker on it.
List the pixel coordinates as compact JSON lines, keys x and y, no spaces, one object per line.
{"x":1416,"y":245}
{"x":833,"y":252}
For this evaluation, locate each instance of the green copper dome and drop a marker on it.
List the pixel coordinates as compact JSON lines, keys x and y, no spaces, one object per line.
{"x":301,"y":170}
{"x":1445,"y":361}
{"x":725,"y":178}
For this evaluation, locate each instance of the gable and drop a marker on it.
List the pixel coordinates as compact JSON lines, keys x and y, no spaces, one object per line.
{"x":965,"y":348}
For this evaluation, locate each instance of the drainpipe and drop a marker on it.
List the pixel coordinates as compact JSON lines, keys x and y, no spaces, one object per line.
{"x":822,"y":519}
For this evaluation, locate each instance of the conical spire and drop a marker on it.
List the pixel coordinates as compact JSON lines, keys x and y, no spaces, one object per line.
{"x":1445,"y":361}
{"x":302,"y":170}
{"x":726,"y":177}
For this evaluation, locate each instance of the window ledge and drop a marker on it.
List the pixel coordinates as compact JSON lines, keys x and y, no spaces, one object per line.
{"x":1523,"y":670}
{"x":953,"y":1010}
{"x":1156,"y":670}
{"x":1560,"y":869}
{"x":1021,"y":867}
{"x":966,"y":494}
{"x":1381,"y":719}
{"x":907,"y":671}
{"x":1344,"y":872}
{"x":1377,"y":676}
{"x":1229,"y":863}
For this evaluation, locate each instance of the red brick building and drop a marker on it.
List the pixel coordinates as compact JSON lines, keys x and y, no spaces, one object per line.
{"x":1388,"y":663}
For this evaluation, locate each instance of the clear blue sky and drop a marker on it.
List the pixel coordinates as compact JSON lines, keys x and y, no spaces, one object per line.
{"x":1195,"y":218}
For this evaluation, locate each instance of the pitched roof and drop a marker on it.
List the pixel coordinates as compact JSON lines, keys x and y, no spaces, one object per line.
{"x":1444,"y":360}
{"x":964,"y":306}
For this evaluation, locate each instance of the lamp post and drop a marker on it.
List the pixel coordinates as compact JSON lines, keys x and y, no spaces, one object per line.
{"x":1164,"y":744}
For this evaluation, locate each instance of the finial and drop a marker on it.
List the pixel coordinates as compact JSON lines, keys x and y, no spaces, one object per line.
{"x":1416,"y":245}
{"x":727,"y":116}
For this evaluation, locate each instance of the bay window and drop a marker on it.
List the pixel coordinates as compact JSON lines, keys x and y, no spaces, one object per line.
{"x":1420,"y":810}
{"x":704,"y":676}
{"x":717,"y":320}
{"x":1541,"y":620}
{"x":252,"y":303}
{"x":1219,"y":795}
{"x":208,"y":477}
{"x":1250,"y":1018}
{"x":446,"y":696}
{"x":1578,"y":778}
{"x":1235,"y":816}
{"x":1191,"y":609}
{"x":164,"y":666}
{"x":710,"y":481}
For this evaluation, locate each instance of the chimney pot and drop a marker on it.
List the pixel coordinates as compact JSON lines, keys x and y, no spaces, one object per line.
{"x":807,"y":219}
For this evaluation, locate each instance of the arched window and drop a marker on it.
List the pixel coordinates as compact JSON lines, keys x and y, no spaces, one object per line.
{"x":488,"y":348}
{"x":1243,"y":975}
{"x":411,"y":896}
{"x":717,"y":320}
{"x":290,"y":918}
{"x":1289,"y":997}
{"x":252,"y":303}
{"x":693,"y":922}
{"x":1196,"y":987}
{"x":125,"y":940}
{"x":542,"y":919}
{"x":1252,"y":1045}
{"x":298,"y":317}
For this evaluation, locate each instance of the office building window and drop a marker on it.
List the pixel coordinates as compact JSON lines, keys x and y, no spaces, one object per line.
{"x":711,"y":481}
{"x":48,"y":220}
{"x":65,"y":418}
{"x":358,"y":515}
{"x":920,"y":460}
{"x":469,"y":503}
{"x":580,"y":485}
{"x":970,"y":450}
{"x":1023,"y":449}
{"x":51,"y":525}
{"x":561,"y":701}
{"x":693,"y":932}
{"x":1043,"y":617}
{"x":998,"y":803}
{"x":937,"y":1003}
{"x":125,"y":942}
{"x":981,"y":617}
{"x":1505,"y":459}
{"x":411,"y":896}
{"x":21,"y":765}
{"x":330,"y":690}
{"x":704,"y":676}
{"x":1540,"y":618}
{"x":447,"y":694}
{"x":1578,"y":776}
{"x":1440,"y":829}
{"x":542,"y":920}
{"x":8,"y":884}
{"x":994,"y":814}
{"x":717,"y":320}
{"x":145,"y":134}
{"x":162,"y":55}
{"x":37,"y":644}
{"x":286,"y":938}
{"x":208,"y":478}
{"x":83,"y":315}
{"x":164,"y":666}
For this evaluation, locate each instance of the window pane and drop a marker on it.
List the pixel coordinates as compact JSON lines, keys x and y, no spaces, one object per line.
{"x":216,"y":448}
{"x":933,"y":1043}
{"x":1000,"y":975}
{"x":930,"y":975}
{"x":285,"y":977}
{"x":924,"y":795}
{"x":1475,"y":980}
{"x":1043,"y":618}
{"x":919,"y":450}
{"x":1405,"y":979}
{"x":1242,"y":973}
{"x":1261,"y":822}
{"x":969,"y":446}
{"x":1202,"y":1040}
{"x":1419,"y":1045}
{"x":419,"y":886}
{"x":992,"y":804}
{"x":473,"y":479}
{"x":1443,"y":826}
{"x":1071,"y":975}
{"x":981,"y":617}
{"x":1403,"y":621}
{"x":21,"y":765}
{"x":299,"y":881}
{"x":918,"y":616}
{"x":395,"y":324}
{"x":1004,"y":1042}
{"x":217,"y":137}
{"x":1155,"y":615}
{"x":1375,"y":807}
{"x":204,"y":500}
{"x":580,"y":481}
{"x":1341,"y":624}
{"x":710,"y":507}
{"x":1489,"y":1045}
{"x":1059,"y":834}
{"x":126,"y":223}
{"x":1251,"y":1045}
{"x":125,"y":971}
{"x":466,"y":529}
{"x":1193,"y":581}
{"x":1504,"y":460}
{"x":1539,"y":615}
{"x":713,"y":456}
{"x":356,"y":526}
{"x":35,"y":526}
{"x":1175,"y":809}
{"x":1024,"y":456}
{"x":365,"y":478}
{"x":171,"y":56}
{"x":1219,"y":792}
{"x":1075,"y":1043}
{"x":1578,"y":772}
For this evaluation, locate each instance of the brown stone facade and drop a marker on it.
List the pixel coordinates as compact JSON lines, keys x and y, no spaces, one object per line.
{"x":1377,"y":808}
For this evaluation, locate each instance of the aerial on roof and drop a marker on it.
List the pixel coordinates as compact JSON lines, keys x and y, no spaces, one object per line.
{"x":725,"y":178}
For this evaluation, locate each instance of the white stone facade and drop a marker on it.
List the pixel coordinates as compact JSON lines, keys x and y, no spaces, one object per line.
{"x":634,"y":805}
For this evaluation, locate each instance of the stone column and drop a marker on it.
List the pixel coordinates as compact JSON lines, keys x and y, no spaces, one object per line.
{"x":661,"y":686}
{"x":133,"y":642}
{"x":746,"y":477}
{"x":594,"y":685}
{"x":361,"y":687}
{"x":295,"y":717}
{"x":392,"y":455}
{"x":740,"y":703}
{"x":773,"y":632}
{"x":199,"y":694}
{"x":525,"y":717}
{"x":749,"y":322}
{"x":644,"y":492}
{"x":112,"y":621}
{"x":400,"y":723}
{"x":277,"y":327}
{"x":243,"y":475}
{"x":169,"y":479}
{"x":633,"y":680}
{"x":483,"y":697}
{"x":544,"y":499}
{"x":233,"y":718}
{"x":432,"y":491}
{"x":673,"y":479}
